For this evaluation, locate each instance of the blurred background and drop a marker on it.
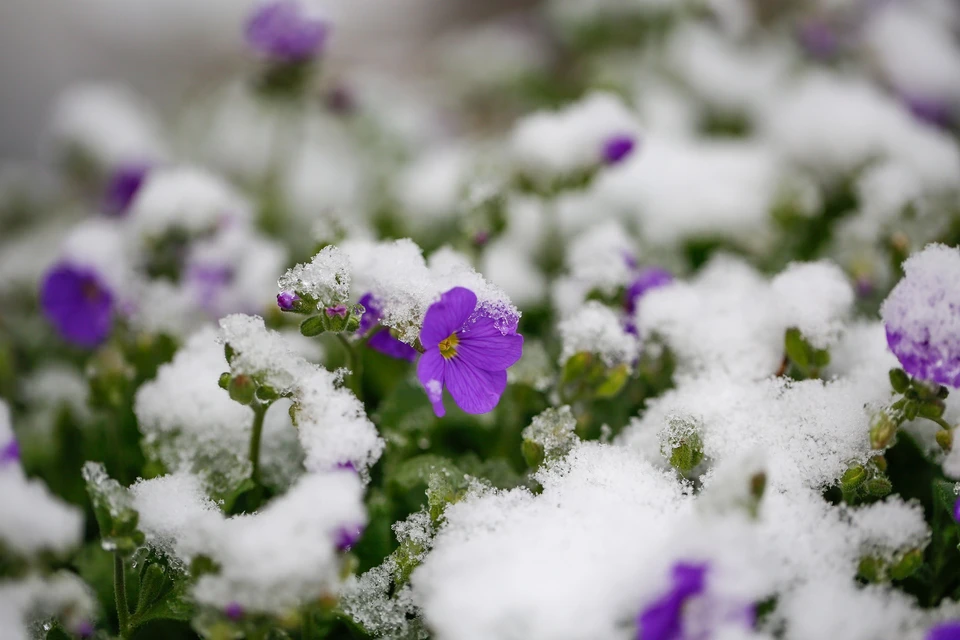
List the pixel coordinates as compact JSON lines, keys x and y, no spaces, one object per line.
{"x":165,"y":48}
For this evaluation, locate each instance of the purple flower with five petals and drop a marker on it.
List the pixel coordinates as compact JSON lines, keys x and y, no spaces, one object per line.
{"x":617,"y":148}
{"x":78,"y":303}
{"x":466,"y":353}
{"x":122,"y":187}
{"x":285,"y":31}
{"x":945,"y":631}
{"x":382,"y":340}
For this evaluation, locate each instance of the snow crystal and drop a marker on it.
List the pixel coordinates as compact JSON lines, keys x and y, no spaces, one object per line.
{"x":597,"y":329}
{"x":600,"y":258}
{"x":575,"y":555}
{"x":326,"y":278}
{"x":510,"y":266}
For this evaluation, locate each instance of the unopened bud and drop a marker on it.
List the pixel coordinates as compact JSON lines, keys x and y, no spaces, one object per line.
{"x":883,"y":430}
{"x":945,"y":439}
{"x":242,"y":389}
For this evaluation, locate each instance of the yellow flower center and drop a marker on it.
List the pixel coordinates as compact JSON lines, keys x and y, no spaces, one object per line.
{"x":448,"y":346}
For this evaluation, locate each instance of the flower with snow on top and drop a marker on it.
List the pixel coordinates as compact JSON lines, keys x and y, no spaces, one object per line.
{"x":671,"y":616}
{"x":346,"y":536}
{"x":465,"y":352}
{"x":78,"y":303}
{"x":284,"y":30}
{"x":922,"y":316}
{"x":122,"y":187}
{"x":945,"y":631}
{"x":382,"y":340}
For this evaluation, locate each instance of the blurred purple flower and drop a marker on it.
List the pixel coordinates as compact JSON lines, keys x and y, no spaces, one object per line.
{"x":346,"y":537}
{"x":819,"y":38}
{"x":945,"y":631}
{"x":285,"y":31}
{"x":663,"y":618}
{"x":618,"y":147}
{"x":122,"y":187}
{"x":469,"y":356}
{"x":338,"y":310}
{"x":78,"y":303}
{"x":209,"y":280}
{"x":382,"y":341}
{"x":646,"y":280}
{"x":932,"y":111}
{"x":233,"y":611}
{"x":10,"y":453}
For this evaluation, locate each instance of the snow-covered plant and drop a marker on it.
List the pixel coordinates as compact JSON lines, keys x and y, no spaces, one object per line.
{"x":641,"y":324}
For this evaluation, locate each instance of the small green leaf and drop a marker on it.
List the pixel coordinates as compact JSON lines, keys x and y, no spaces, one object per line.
{"x":899,"y":380}
{"x":614,"y":382}
{"x":796,"y":348}
{"x":313,"y":326}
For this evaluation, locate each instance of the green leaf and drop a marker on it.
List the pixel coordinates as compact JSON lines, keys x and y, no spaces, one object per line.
{"x":313,"y":326}
{"x":153,"y":584}
{"x":796,"y":348}
{"x":614,"y":382}
{"x":899,"y":380}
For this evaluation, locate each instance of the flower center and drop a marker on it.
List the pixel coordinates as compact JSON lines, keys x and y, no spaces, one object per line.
{"x":91,"y":292}
{"x":448,"y":346}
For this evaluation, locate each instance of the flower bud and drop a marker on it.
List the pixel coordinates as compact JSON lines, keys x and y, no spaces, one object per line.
{"x":899,"y":380}
{"x":945,"y":439}
{"x":882,"y":431}
{"x":242,"y":389}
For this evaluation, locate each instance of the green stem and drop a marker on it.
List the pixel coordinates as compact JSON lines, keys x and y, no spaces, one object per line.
{"x":940,"y":421}
{"x":120,"y":595}
{"x":259,"y":411}
{"x":355,"y":363}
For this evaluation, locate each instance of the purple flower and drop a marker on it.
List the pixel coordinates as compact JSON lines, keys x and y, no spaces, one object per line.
{"x":382,"y":341}
{"x":618,"y":147}
{"x":338,"y":310}
{"x":123,"y":185}
{"x":285,"y":31}
{"x":819,"y":39}
{"x":647,"y":279}
{"x":78,"y":303}
{"x":469,"y":355}
{"x":956,"y":510}
{"x":286,"y":300}
{"x":346,"y":466}
{"x":346,"y":536}
{"x":929,"y":110}
{"x":10,"y":453}
{"x":922,"y":316}
{"x":671,"y":618}
{"x":84,"y":629}
{"x":209,"y":280}
{"x":663,"y":618}
{"x":233,"y":611}
{"x":945,"y":631}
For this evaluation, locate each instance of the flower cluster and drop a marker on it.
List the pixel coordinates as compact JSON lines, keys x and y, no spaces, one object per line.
{"x":623,"y":320}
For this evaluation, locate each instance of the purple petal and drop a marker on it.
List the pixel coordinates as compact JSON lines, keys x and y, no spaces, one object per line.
{"x":286,"y":300}
{"x":956,"y":510}
{"x":661,"y":620}
{"x":447,"y":315}
{"x":283,"y":30}
{"x":386,"y":344}
{"x":689,"y":579}
{"x":945,"y":631}
{"x":233,"y":611}
{"x":648,"y":279}
{"x":617,"y":148}
{"x":78,"y":304}
{"x":123,"y":186}
{"x":431,"y":370}
{"x":10,"y":453}
{"x":371,"y":314}
{"x":474,"y":390}
{"x":483,"y":346}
